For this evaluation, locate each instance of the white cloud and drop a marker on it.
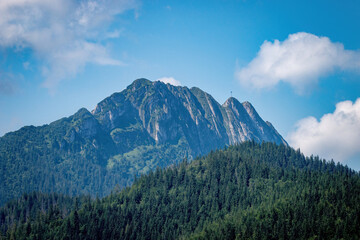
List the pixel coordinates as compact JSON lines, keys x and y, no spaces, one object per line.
{"x":299,"y":60}
{"x":65,"y":34}
{"x":336,"y":135}
{"x":170,"y":80}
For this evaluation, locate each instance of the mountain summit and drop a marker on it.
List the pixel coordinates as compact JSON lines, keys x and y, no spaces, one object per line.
{"x":164,"y":113}
{"x":147,"y":125}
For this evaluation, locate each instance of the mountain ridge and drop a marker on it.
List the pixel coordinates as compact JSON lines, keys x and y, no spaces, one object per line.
{"x":210,"y":107}
{"x":145,"y":126}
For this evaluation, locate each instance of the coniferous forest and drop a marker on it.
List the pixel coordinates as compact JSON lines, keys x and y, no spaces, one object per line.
{"x":246,"y":191}
{"x":179,"y":120}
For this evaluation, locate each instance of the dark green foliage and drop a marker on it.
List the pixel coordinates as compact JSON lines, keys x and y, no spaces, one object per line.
{"x":37,"y":206}
{"x":248,"y":191}
{"x":68,"y":158}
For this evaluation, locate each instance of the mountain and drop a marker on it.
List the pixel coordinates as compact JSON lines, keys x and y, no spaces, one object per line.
{"x":145,"y":126}
{"x":247,"y":191}
{"x":154,"y":112}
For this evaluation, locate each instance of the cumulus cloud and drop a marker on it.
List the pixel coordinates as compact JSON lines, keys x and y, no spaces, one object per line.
{"x":170,"y":80}
{"x":336,"y":135}
{"x":65,"y":34}
{"x":300,"y":60}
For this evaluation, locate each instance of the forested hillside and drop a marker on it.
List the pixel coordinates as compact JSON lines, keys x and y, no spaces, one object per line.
{"x":247,"y":191}
{"x":145,"y":126}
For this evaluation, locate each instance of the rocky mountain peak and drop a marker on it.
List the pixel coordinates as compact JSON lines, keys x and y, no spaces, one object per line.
{"x":250,"y":110}
{"x":81,"y":113}
{"x":147,"y":125}
{"x":233,"y":104}
{"x":229,"y":101}
{"x":169,"y":113}
{"x":140,"y":82}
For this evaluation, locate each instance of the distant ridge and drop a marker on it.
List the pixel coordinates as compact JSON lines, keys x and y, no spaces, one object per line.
{"x":147,"y":125}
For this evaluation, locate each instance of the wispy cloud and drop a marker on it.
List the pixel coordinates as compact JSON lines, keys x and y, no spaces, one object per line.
{"x":7,"y":83}
{"x":170,"y":80}
{"x":6,"y":87}
{"x":65,"y":35}
{"x":336,"y":135}
{"x":300,"y":60}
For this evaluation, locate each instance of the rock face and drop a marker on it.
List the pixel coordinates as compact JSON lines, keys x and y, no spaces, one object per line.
{"x":159,"y":113}
{"x":147,"y":125}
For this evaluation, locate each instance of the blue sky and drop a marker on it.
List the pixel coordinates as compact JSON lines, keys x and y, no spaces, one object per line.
{"x":293,"y":60}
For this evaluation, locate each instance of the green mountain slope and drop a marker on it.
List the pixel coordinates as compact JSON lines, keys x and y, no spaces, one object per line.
{"x":147,"y":125}
{"x":248,"y":191}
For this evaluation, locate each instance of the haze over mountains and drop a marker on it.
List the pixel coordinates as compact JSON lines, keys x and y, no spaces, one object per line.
{"x":147,"y":125}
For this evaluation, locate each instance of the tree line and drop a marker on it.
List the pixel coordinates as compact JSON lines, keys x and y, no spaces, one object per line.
{"x":245,"y":191}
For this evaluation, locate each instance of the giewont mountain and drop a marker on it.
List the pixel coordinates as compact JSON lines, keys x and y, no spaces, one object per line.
{"x":147,"y":125}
